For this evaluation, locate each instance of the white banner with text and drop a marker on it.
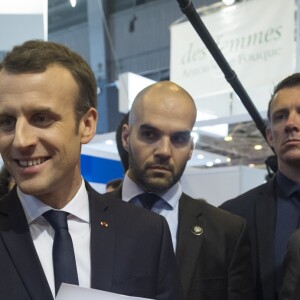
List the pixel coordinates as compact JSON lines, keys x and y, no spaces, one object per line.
{"x":256,"y":37}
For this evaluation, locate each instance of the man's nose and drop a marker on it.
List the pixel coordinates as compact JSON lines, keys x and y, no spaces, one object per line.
{"x":293,"y":122}
{"x":24,"y":135}
{"x":164,"y":147}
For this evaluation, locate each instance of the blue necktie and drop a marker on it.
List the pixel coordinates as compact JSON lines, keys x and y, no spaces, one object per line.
{"x":64,"y":263}
{"x":148,"y":200}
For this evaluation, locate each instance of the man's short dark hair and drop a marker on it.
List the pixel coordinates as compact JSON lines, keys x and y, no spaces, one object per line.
{"x":289,"y":82}
{"x":36,"y":56}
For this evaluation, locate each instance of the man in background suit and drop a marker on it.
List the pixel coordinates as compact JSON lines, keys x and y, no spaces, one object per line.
{"x":212,"y":248}
{"x":113,"y":184}
{"x":47,"y":111}
{"x":272,"y":209}
{"x":290,"y":289}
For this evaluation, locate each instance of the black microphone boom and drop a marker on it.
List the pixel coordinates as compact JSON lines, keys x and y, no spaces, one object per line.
{"x":194,"y":18}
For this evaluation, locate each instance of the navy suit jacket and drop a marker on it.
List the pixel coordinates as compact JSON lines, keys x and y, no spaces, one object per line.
{"x":258,"y":207}
{"x":215,"y":264}
{"x":132,"y":256}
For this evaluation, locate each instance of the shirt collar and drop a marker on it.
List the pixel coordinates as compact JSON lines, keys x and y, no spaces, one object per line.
{"x":78,"y":206}
{"x":130,"y":190}
{"x":286,"y":185}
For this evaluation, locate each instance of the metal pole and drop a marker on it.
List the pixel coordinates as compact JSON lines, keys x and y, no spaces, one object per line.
{"x":194,"y":18}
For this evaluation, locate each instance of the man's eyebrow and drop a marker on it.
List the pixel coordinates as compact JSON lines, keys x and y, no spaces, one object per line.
{"x":185,"y":132}
{"x":280,"y":110}
{"x":148,"y":127}
{"x":46,"y":110}
{"x":42,"y":110}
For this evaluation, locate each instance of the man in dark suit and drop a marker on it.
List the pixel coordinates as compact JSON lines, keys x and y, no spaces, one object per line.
{"x":212,"y":248}
{"x":290,"y":289}
{"x":47,"y":111}
{"x":272,"y":209}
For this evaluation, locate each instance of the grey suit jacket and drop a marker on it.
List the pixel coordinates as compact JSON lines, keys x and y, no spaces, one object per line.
{"x":132,"y":256}
{"x":213,"y":252}
{"x":258,"y":207}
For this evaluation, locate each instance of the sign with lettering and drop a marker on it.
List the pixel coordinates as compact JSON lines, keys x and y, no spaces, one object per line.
{"x":256,"y":37}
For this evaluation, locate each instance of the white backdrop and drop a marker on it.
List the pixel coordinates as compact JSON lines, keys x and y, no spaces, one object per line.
{"x":256,"y":37}
{"x":217,"y":185}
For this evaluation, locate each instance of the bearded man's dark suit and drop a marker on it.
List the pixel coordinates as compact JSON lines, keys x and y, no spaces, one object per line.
{"x":133,"y":255}
{"x":258,"y":207}
{"x":214,"y":262}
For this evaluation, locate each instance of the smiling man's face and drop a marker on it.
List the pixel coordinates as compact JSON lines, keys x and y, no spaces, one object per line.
{"x":39,"y":141}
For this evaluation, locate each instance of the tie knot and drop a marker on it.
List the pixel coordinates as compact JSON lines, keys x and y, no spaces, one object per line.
{"x":57,"y":219}
{"x":148,"y":199}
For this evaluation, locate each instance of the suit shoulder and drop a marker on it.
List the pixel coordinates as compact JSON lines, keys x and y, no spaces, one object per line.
{"x":248,"y":197}
{"x":212,"y":213}
{"x":224,"y":218}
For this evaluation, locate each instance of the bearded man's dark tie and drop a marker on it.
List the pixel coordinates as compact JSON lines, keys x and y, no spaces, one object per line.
{"x":148,"y":199}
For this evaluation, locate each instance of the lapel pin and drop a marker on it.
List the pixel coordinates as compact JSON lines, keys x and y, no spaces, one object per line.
{"x":197,"y":230}
{"x":104,"y":224}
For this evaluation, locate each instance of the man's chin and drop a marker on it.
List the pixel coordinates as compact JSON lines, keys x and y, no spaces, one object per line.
{"x":288,"y":160}
{"x":291,"y":155}
{"x":30,"y":187}
{"x":158,"y":185}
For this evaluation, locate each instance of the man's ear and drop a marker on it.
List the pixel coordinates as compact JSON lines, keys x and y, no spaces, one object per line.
{"x":269,"y":136}
{"x":192,"y":150}
{"x":125,"y":136}
{"x":88,"y":125}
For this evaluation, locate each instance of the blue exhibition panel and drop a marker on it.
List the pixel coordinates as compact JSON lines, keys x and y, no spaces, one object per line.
{"x":100,"y":170}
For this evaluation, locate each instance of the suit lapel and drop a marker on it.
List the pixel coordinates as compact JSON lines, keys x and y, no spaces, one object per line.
{"x":102,"y":240}
{"x":265,"y":222}
{"x":15,"y":234}
{"x":117,"y":193}
{"x":189,"y":240}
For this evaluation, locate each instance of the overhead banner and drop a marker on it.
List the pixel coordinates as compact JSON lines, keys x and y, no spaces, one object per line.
{"x":256,"y":37}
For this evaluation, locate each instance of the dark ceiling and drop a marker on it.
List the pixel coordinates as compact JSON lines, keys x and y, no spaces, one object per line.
{"x":62,"y":15}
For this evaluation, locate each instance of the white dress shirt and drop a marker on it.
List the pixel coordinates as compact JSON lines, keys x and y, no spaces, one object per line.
{"x":42,"y":233}
{"x":168,"y":207}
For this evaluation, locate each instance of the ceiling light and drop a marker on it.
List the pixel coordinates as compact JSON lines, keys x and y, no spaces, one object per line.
{"x":228,"y":138}
{"x":73,"y":3}
{"x":217,"y":160}
{"x":228,"y":2}
{"x":209,"y":164}
{"x":251,"y":165}
{"x":200,"y":156}
{"x":109,"y":142}
{"x":258,"y":147}
{"x":228,"y":159}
